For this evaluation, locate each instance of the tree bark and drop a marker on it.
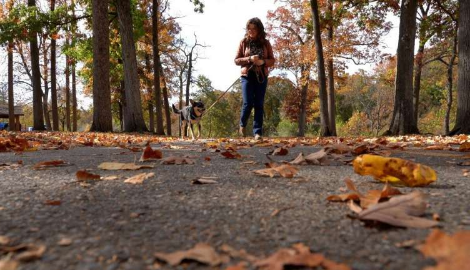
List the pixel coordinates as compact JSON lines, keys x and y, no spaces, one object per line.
{"x":450,"y":84}
{"x":45,"y":96}
{"x":102,"y":118}
{"x":462,"y":124}
{"x":325,"y":129}
{"x":67,"y":91}
{"x":38,"y":117}
{"x":150,"y":100}
{"x":74,"y":79}
{"x":11,"y":101}
{"x":166,"y":103}
{"x":331,"y":78}
{"x":304,"y":71}
{"x":188,"y":77}
{"x":55,"y":110}
{"x":133,"y":115}
{"x":156,"y":69}
{"x":403,"y":116}
{"x":417,"y":80}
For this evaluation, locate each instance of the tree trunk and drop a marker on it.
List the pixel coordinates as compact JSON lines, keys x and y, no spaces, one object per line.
{"x":11,"y":101}
{"x":188,"y":78}
{"x":417,"y":80}
{"x":102,"y":118}
{"x":122,"y":104}
{"x":325,"y":129}
{"x":150,"y":99}
{"x":166,"y":103}
{"x":180,"y":101}
{"x":402,"y":122}
{"x":156,"y":69}
{"x":462,"y":124}
{"x":303,"y":109}
{"x":450,"y":83}
{"x":38,"y":117}
{"x":55,"y":110}
{"x":331,"y":78}
{"x":74,"y":79}
{"x":45,"y":96}
{"x":67,"y":91}
{"x":133,"y":115}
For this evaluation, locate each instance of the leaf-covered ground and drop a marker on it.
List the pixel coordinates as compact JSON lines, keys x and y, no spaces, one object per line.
{"x":125,"y":201}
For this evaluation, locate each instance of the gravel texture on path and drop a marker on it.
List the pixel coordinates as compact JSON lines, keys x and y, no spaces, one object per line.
{"x":116,"y":225}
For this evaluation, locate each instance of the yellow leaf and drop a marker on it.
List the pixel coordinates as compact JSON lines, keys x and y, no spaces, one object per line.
{"x":394,"y":170}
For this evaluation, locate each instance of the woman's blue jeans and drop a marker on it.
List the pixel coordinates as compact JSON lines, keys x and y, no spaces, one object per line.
{"x":253,"y":97}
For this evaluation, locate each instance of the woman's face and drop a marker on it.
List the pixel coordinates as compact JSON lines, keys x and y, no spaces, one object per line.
{"x":252,"y":31}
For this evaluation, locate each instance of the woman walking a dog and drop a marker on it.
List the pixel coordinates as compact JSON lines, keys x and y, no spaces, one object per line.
{"x":254,"y":55}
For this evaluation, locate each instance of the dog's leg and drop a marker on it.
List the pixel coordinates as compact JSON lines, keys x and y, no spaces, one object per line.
{"x":199,"y":130}
{"x":183,"y":128}
{"x":191,"y":128}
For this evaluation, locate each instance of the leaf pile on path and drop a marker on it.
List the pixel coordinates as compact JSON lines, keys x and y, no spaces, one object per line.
{"x":18,"y":253}
{"x":394,"y":170}
{"x":450,"y":251}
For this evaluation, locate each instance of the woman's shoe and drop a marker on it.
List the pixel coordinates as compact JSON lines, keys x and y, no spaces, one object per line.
{"x":258,"y":137}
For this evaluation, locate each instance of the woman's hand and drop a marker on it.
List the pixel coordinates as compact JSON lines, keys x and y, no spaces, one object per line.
{"x":254,"y":58}
{"x":259,"y":62}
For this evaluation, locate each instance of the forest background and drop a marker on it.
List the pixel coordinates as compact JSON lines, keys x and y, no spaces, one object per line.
{"x":353,"y":33}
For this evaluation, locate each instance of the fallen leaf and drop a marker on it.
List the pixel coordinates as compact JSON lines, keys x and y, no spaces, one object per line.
{"x":317,"y":158}
{"x":280,"y":151}
{"x":231,"y":154}
{"x":339,"y":148}
{"x":52,"y":202}
{"x":238,"y":254}
{"x":207,"y":158}
{"x":407,"y":244}
{"x":4,"y":240}
{"x":202,"y":253}
{"x":51,"y":163}
{"x":464,"y":163}
{"x":139,"y":178}
{"x":83,"y":175}
{"x":32,"y":252}
{"x":450,"y":251}
{"x":204,"y":180}
{"x":464,"y":147}
{"x":177,"y":160}
{"x":402,"y":211}
{"x":285,"y":170}
{"x":239,"y":266}
{"x":299,"y":255}
{"x":394,"y":170}
{"x":299,"y":160}
{"x":122,"y":166}
{"x":65,"y":242}
{"x":150,"y":154}
{"x":8,"y":264}
{"x":354,"y":207}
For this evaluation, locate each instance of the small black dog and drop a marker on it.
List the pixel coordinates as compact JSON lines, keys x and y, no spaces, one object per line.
{"x":190,"y":115}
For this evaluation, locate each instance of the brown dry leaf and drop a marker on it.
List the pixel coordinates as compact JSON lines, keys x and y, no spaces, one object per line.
{"x":400,"y":211}
{"x":201,"y":252}
{"x":361,"y":149}
{"x":281,"y":151}
{"x":51,"y":163}
{"x":464,"y":163}
{"x":122,"y":166}
{"x":52,"y":202}
{"x":204,"y":180}
{"x":354,"y":207}
{"x":177,"y":160}
{"x":139,"y":178}
{"x":238,"y":254}
{"x":65,"y":242}
{"x":239,"y":266}
{"x":150,"y":154}
{"x":450,"y":251}
{"x":299,"y":160}
{"x":83,"y":175}
{"x":339,"y":148}
{"x":464,"y":147}
{"x":436,"y":147}
{"x":4,"y":240}
{"x":231,"y":154}
{"x":298,"y":255}
{"x":285,"y":170}
{"x":32,"y":252}
{"x":407,"y":243}
{"x":7,"y":264}
{"x":207,"y":158}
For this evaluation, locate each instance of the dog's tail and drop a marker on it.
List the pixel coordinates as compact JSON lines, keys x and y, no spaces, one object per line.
{"x":174,"y":109}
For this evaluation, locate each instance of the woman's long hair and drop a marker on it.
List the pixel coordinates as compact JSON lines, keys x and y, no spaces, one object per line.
{"x":261,"y":37}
